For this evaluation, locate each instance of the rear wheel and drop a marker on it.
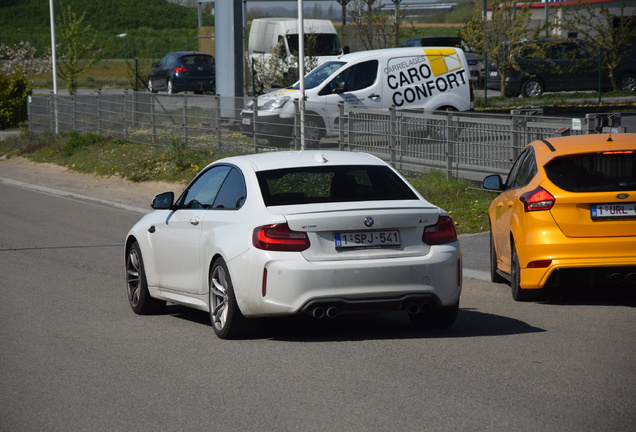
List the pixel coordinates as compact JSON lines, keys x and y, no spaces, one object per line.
{"x":437,"y":319}
{"x":532,"y":88}
{"x":138,"y":296}
{"x":518,"y":293}
{"x":227,"y":320}
{"x":494,"y":275}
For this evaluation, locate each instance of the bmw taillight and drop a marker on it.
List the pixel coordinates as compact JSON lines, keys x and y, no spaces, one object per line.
{"x":180,"y":69}
{"x":537,"y":200}
{"x":442,"y":232}
{"x":279,"y":237}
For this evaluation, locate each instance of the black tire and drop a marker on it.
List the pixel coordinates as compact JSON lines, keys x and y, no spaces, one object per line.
{"x":227,"y":320}
{"x":494,"y":275}
{"x":170,"y":87}
{"x":151,"y":87}
{"x":314,"y":130}
{"x":532,"y":88}
{"x":279,"y":141}
{"x":439,"y":318}
{"x":627,"y":82}
{"x":519,"y":294}
{"x":137,"y":287}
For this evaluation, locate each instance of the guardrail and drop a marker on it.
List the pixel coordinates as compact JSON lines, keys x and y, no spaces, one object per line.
{"x":461,"y":144}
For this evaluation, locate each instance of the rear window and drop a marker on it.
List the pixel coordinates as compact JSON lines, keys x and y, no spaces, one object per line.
{"x":197,"y":60}
{"x":594,"y":172}
{"x":331,"y":184}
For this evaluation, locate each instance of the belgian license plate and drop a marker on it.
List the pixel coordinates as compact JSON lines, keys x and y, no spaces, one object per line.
{"x":367,"y":239}
{"x":246,"y":121}
{"x":622,"y":210}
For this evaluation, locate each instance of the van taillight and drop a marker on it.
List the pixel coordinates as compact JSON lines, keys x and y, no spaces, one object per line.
{"x":442,"y":232}
{"x":537,"y":200}
{"x":279,"y":237}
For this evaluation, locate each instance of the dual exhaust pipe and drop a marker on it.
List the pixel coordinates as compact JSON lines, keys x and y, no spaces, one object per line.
{"x":622,"y":277}
{"x":319,"y":312}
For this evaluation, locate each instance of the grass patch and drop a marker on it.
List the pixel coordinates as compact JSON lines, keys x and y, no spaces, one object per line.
{"x":92,"y":154}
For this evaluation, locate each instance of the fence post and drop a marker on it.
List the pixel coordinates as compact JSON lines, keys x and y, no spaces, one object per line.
{"x":99,"y":112}
{"x":450,"y":144}
{"x":153,"y":128}
{"x":341,"y":125}
{"x":254,"y":128}
{"x":185,"y":120}
{"x":124,"y":112}
{"x":217,"y":122}
{"x":392,"y":135}
{"x":297,"y":143}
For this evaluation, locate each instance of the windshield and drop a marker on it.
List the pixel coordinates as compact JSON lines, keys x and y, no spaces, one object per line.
{"x":320,"y":74}
{"x":316,"y":44}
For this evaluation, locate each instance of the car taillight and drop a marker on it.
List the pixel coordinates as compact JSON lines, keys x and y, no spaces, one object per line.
{"x":537,"y":200}
{"x":442,"y":232}
{"x":279,"y":237}
{"x":180,"y":69}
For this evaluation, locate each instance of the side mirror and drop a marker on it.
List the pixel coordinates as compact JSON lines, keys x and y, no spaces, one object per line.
{"x":493,"y":182}
{"x":163,"y":201}
{"x":342,"y":87}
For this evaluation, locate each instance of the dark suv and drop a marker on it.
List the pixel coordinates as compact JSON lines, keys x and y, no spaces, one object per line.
{"x":475,"y":62}
{"x":551,"y":65}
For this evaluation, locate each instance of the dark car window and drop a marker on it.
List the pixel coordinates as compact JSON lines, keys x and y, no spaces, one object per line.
{"x":357,"y":77}
{"x":331,"y":184}
{"x":232,"y":193}
{"x":198,"y":59}
{"x":595,"y":172}
{"x":524,"y":169}
{"x":203,"y":191}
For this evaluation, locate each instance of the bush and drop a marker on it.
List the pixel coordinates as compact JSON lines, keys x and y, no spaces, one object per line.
{"x":14,"y":90}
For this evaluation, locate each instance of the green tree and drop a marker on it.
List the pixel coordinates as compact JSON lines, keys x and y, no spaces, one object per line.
{"x":500,"y":34}
{"x":375,"y":29}
{"x":612,"y":34}
{"x":75,"y":46}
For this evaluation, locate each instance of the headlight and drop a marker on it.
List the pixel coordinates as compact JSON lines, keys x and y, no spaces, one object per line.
{"x":277,"y":103}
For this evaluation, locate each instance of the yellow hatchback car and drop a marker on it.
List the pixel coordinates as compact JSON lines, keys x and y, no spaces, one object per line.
{"x":566,"y":215}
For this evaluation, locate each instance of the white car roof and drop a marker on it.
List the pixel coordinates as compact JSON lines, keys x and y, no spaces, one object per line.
{"x":301,"y":158}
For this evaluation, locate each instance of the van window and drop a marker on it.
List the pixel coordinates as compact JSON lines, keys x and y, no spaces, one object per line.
{"x":357,"y":77}
{"x":320,"y":74}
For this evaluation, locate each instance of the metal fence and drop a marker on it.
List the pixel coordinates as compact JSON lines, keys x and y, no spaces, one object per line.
{"x":461,"y":144}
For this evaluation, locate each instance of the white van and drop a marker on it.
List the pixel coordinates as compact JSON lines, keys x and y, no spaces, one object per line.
{"x":426,"y":79}
{"x":266,"y":34}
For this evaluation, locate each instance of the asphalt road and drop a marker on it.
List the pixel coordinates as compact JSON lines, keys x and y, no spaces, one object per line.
{"x":74,"y":357}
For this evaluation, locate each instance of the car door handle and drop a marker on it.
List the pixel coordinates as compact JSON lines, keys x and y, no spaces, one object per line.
{"x":195,"y":220}
{"x":374,"y":96}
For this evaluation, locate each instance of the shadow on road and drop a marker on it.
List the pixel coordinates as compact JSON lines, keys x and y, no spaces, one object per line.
{"x":470,"y":323}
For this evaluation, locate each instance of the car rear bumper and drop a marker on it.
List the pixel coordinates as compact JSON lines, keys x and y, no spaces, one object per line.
{"x":288,"y":284}
{"x":193,"y":84}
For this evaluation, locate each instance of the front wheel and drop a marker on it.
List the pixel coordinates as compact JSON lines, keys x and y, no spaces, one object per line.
{"x":532,"y":88}
{"x":151,"y":87}
{"x":627,"y":82}
{"x":170,"y":87}
{"x":138,"y":296}
{"x":227,"y":320}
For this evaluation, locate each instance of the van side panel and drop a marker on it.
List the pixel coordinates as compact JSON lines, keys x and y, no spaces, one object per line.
{"x":429,"y":79}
